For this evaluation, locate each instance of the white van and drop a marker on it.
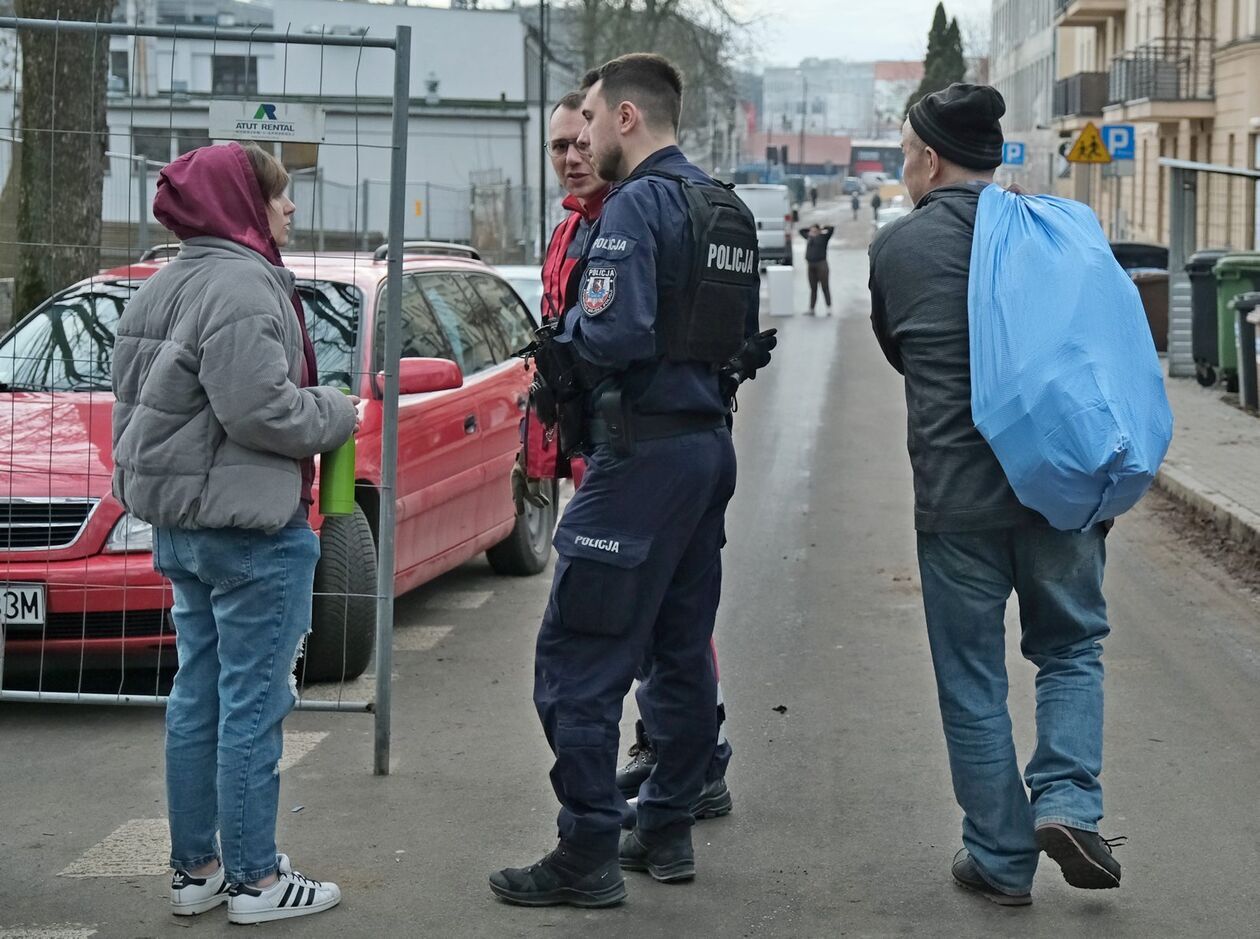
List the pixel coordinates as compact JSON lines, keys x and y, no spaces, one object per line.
{"x":771,"y":206}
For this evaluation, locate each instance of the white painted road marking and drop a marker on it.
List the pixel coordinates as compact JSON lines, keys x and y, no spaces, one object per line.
{"x":138,"y":847}
{"x":458,"y":600}
{"x":54,"y":931}
{"x":419,"y":638}
{"x":142,"y":846}
{"x":298,"y":743}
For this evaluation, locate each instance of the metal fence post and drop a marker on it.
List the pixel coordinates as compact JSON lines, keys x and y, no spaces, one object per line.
{"x":319,"y":205}
{"x":389,"y":417}
{"x":428,"y":211}
{"x":142,"y":207}
{"x":367,"y":189}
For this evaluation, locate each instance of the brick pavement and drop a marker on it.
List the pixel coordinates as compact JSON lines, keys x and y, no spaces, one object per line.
{"x":1213,"y":464}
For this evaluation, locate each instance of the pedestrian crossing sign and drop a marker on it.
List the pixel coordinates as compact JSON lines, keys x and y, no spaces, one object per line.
{"x":1089,"y":147}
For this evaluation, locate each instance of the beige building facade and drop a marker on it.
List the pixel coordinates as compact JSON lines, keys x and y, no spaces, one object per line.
{"x":1186,"y":75}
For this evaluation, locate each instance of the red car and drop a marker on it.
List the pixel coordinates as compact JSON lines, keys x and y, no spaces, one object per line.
{"x":77,"y":586}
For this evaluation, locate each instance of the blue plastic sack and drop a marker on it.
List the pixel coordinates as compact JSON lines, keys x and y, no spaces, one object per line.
{"x":1066,"y":385}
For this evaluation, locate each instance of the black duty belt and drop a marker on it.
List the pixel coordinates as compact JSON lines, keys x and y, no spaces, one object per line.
{"x":657,"y":426}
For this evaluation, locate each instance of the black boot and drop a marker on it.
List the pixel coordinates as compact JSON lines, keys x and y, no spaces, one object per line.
{"x":714,"y":800}
{"x":665,"y":854}
{"x":1083,"y":856}
{"x":563,"y":876}
{"x":642,"y":758}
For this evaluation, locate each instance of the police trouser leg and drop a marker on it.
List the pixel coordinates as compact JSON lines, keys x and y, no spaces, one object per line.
{"x":634,"y":525}
{"x":678,"y":701}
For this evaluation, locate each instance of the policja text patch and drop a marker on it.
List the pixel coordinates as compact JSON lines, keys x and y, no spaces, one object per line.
{"x":598,"y":287}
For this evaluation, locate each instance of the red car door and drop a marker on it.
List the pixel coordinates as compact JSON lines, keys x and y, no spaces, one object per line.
{"x":506,"y":327}
{"x":439,"y":471}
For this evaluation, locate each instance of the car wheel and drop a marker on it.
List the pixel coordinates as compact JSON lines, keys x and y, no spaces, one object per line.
{"x":343,"y":620}
{"x":526,"y":550}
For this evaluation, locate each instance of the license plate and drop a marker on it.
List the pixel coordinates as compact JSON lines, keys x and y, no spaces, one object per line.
{"x":21,"y":604}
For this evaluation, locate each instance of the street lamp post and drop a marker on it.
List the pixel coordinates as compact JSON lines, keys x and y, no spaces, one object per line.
{"x":800,"y":153}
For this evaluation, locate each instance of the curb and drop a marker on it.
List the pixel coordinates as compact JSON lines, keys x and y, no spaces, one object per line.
{"x":1237,"y":521}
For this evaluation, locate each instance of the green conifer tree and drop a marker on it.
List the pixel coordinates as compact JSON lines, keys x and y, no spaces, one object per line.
{"x":944,"y":63}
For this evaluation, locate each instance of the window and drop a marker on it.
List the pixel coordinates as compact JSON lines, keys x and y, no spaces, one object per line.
{"x":462,"y":316}
{"x":234,"y":75}
{"x":68,"y":345}
{"x":152,"y":143}
{"x":189,"y":138}
{"x":119,"y":72}
{"x":332,"y":319}
{"x":508,"y":321}
{"x":422,"y":337}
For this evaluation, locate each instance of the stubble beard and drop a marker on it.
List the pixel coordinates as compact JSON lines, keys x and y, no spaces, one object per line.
{"x":608,"y":164}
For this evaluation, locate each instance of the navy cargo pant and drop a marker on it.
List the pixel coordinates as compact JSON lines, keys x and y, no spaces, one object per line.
{"x":637,"y":581}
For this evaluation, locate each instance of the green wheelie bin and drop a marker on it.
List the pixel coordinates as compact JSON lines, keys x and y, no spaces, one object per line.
{"x":1235,"y":274}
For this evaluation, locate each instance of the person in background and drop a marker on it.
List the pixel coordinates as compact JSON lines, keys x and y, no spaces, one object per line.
{"x":857,"y":205}
{"x":816,"y":238}
{"x":813,"y":197}
{"x":876,"y":202}
{"x":218,"y":417}
{"x":977,"y":543}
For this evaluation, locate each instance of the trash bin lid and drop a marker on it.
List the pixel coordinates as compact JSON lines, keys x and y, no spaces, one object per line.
{"x":1202,"y":262}
{"x":1147,"y":274}
{"x":1241,"y":264}
{"x":1132,"y":254}
{"x":1246,"y":302}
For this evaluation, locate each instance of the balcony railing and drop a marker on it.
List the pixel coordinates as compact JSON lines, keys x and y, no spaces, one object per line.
{"x":1082,"y":94}
{"x":1163,"y":70}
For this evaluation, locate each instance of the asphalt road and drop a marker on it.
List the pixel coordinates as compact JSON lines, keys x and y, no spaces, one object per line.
{"x":844,"y":823}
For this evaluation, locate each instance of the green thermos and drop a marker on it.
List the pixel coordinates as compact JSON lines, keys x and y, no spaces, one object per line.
{"x":336,"y":479}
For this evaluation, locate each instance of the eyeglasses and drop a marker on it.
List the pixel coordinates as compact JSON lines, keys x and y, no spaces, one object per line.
{"x":560,"y":146}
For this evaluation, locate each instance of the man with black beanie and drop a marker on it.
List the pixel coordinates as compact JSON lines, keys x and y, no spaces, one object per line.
{"x":977,"y":543}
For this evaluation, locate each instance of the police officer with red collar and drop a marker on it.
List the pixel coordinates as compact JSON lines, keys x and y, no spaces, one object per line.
{"x":659,"y":327}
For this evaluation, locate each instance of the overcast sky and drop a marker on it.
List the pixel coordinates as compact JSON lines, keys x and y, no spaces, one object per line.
{"x":861,"y":30}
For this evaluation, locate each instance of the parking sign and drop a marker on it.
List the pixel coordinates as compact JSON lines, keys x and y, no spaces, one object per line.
{"x":1119,"y":141}
{"x":1013,"y":153}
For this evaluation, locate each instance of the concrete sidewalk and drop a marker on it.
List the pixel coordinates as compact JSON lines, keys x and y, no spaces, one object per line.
{"x":1213,"y":465}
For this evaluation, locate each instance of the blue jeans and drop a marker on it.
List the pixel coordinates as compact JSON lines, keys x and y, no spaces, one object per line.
{"x":967,"y":578}
{"x":242,"y":610}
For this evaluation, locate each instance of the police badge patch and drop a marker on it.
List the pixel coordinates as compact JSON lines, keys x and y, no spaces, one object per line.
{"x":598,"y":286}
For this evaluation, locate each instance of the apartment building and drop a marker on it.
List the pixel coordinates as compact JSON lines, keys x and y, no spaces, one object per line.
{"x":1186,"y":74}
{"x":832,"y":96}
{"x":1022,"y":68}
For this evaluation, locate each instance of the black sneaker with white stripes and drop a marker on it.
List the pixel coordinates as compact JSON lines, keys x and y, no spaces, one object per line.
{"x":291,"y":895}
{"x":192,"y":895}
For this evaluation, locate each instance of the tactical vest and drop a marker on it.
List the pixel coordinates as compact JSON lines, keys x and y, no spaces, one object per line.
{"x":704,"y":319}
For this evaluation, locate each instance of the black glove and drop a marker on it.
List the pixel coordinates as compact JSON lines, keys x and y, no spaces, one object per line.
{"x":754,"y":355}
{"x":743,"y":365}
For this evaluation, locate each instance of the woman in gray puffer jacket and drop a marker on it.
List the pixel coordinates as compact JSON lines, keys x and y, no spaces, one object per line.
{"x":215,"y":426}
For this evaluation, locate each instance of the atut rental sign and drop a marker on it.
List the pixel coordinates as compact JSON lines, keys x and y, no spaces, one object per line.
{"x":266,"y":120}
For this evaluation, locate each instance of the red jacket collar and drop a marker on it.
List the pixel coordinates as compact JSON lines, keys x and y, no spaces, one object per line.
{"x":592,"y":207}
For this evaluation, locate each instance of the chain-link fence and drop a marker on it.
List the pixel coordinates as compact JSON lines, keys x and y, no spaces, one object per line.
{"x":83,"y":616}
{"x":1213,"y":212}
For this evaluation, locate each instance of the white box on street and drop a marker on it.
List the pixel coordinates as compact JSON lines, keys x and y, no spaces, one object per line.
{"x":779,"y":287}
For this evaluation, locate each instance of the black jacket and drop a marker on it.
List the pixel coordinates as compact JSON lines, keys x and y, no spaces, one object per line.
{"x":816,"y":246}
{"x":919,"y":280}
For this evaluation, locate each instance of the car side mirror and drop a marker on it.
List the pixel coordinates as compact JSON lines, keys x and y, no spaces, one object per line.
{"x":418,"y":376}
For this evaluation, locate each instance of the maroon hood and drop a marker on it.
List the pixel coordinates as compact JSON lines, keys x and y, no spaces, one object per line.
{"x":212,"y":191}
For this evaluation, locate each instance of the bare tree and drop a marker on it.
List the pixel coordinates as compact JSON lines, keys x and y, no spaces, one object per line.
{"x":702,"y":37}
{"x":62,"y":162}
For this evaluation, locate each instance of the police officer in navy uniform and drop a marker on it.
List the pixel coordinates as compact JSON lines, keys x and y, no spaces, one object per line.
{"x":649,"y":319}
